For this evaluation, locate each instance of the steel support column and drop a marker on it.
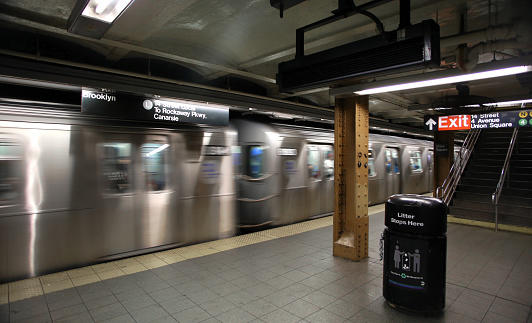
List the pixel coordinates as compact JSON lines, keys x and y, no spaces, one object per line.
{"x":351,"y":139}
{"x":443,"y":157}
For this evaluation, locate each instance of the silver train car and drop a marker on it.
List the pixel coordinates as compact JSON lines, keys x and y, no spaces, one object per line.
{"x":286,"y":173}
{"x":76,"y":191}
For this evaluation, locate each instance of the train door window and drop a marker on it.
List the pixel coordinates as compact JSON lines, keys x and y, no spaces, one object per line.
{"x":328,"y":163}
{"x":371,"y":164}
{"x":154,"y":156}
{"x":313,"y":162}
{"x":415,"y":161}
{"x":392,"y":161}
{"x":255,"y":164}
{"x":11,"y":171}
{"x":395,"y":161}
{"x":236,"y":155}
{"x":117,"y":169}
{"x":429,"y":160}
{"x":388,"y":160}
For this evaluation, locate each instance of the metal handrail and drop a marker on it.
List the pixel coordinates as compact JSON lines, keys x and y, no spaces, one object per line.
{"x":447,"y":189}
{"x":504,"y":172}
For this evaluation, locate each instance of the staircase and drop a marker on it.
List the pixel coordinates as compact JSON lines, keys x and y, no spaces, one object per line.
{"x":472,"y":199}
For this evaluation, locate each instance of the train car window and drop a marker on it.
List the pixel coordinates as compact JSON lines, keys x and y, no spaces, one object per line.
{"x":255,"y":165}
{"x":11,"y":171}
{"x":371,"y":164}
{"x":328,"y":164}
{"x":415,"y":161}
{"x":236,"y":152}
{"x":429,"y":160}
{"x":313,"y":162}
{"x":117,"y":167}
{"x":395,"y":161}
{"x":388,"y":161}
{"x":154,"y":156}
{"x":392,"y":161}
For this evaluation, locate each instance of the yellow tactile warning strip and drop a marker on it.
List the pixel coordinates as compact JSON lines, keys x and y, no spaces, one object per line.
{"x":18,"y":290}
{"x":489,"y":225}
{"x":15,"y":291}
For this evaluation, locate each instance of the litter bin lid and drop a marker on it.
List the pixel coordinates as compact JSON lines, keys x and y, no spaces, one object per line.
{"x":416,"y":214}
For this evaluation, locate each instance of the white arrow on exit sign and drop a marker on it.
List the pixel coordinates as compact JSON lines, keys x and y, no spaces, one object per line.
{"x":431,"y":123}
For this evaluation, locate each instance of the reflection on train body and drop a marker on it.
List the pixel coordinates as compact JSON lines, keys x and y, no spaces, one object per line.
{"x":74,"y":193}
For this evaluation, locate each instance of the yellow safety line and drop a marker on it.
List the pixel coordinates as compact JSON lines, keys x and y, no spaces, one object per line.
{"x":489,"y":225}
{"x":36,"y":286}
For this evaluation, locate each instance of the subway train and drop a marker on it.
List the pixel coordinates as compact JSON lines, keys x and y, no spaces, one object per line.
{"x":77,"y":191}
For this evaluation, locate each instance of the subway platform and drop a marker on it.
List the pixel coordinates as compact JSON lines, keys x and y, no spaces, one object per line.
{"x":285,"y":274}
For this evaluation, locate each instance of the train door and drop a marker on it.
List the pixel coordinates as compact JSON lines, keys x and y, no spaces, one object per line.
{"x":393,"y":171}
{"x":12,"y":184}
{"x":293,"y":188}
{"x":11,"y":174}
{"x":373,"y":186}
{"x":314,"y":177}
{"x":116,"y":212}
{"x":157,"y":225}
{"x":327,"y":196}
{"x":430,"y":167}
{"x":414,"y":179}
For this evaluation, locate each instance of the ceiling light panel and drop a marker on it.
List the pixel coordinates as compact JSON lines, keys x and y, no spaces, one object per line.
{"x":105,"y":10}
{"x":448,"y":80}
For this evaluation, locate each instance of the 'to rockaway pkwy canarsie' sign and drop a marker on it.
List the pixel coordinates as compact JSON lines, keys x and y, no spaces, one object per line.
{"x":490,"y":120}
{"x":129,"y":106}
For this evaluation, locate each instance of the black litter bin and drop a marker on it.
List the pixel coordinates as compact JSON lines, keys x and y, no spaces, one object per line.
{"x":415,"y":250}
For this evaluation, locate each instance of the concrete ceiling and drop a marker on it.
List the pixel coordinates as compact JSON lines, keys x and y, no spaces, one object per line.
{"x":247,"y":38}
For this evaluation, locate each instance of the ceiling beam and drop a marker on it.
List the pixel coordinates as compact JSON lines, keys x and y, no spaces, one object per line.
{"x":350,"y":33}
{"x":130,"y":47}
{"x":153,"y":17}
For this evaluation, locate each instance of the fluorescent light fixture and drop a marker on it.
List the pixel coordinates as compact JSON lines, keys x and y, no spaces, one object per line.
{"x":157,"y":150}
{"x":105,"y":10}
{"x":501,"y":104}
{"x":449,"y":80}
{"x":508,"y":103}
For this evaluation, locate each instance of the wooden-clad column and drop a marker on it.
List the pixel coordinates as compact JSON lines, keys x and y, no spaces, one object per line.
{"x":443,"y":157}
{"x":351,"y":140}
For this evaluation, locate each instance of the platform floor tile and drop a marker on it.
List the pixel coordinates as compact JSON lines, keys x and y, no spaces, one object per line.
{"x":285,"y":274}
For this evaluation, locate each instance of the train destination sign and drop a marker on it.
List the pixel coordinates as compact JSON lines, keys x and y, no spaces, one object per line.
{"x":130,"y":106}
{"x":490,"y":120}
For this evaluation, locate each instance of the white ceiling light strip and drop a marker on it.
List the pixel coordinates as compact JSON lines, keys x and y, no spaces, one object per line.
{"x":105,"y":10}
{"x":448,"y":80}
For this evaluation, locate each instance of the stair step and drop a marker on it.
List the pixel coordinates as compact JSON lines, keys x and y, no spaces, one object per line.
{"x":486,"y":198}
{"x":484,"y":168}
{"x":518,"y":192}
{"x":476,"y":173}
{"x":488,"y":162}
{"x":487,"y":206}
{"x":474,"y":196}
{"x":521,"y":157}
{"x":520,"y":169}
{"x":471,"y":214}
{"x":520,"y":184}
{"x":475,"y":188}
{"x":490,"y":154}
{"x":490,"y":217}
{"x":494,"y":150}
{"x":522,"y":149}
{"x":520,"y":177}
{"x":516,"y":200}
{"x":493,"y":144}
{"x":492,"y":182}
{"x":521,"y":163}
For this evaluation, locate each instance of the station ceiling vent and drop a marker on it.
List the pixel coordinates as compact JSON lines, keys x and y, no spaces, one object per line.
{"x":408,"y":47}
